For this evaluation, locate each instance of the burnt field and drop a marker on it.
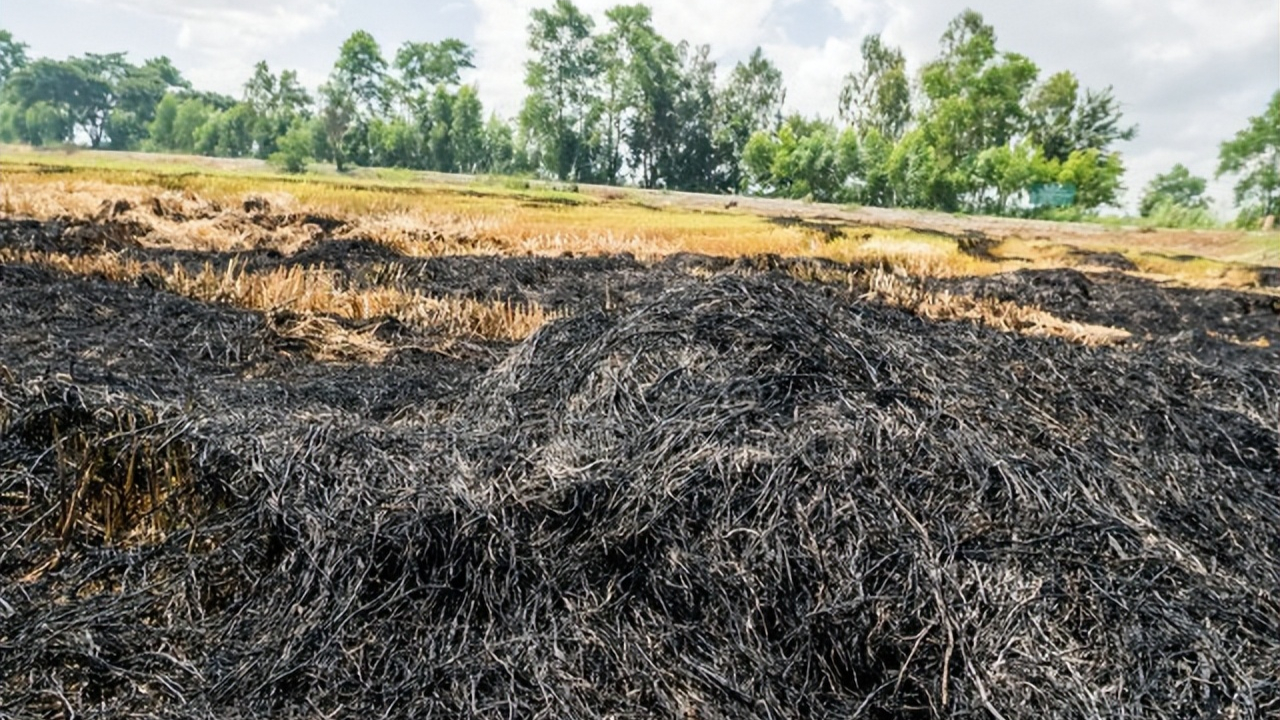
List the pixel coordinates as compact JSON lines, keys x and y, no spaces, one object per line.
{"x":313,"y":475}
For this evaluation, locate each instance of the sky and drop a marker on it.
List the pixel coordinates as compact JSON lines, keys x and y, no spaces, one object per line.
{"x":1189,"y":73}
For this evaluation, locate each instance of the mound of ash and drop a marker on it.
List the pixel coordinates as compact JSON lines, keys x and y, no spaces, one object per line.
{"x":745,"y":498}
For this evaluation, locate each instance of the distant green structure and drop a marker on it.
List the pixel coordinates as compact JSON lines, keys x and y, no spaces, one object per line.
{"x":1053,"y":195}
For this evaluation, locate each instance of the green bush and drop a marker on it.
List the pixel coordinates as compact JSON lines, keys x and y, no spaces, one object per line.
{"x":294,"y":150}
{"x":1167,"y":214}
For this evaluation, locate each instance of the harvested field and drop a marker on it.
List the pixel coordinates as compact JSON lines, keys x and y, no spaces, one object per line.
{"x":617,"y":485}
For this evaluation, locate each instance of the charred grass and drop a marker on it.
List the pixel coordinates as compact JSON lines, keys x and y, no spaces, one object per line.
{"x":266,"y":456}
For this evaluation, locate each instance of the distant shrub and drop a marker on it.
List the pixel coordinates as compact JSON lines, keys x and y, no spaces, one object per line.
{"x":1172,"y":215}
{"x":294,"y":150}
{"x":1250,"y":218}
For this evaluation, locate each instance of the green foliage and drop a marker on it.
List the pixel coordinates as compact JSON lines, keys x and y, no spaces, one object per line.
{"x":236,"y":131}
{"x":1253,"y":155}
{"x":700,"y":156}
{"x":337,"y":113}
{"x":424,"y":65}
{"x":499,"y":147}
{"x":440,"y":137}
{"x":1167,"y":213}
{"x":191,"y":116}
{"x":1178,"y":188}
{"x":1061,"y":121}
{"x":652,"y":74}
{"x":1250,"y":217}
{"x":104,"y":96}
{"x":13,"y":56}
{"x":161,"y":128}
{"x":879,"y":95}
{"x":974,"y":92}
{"x":70,"y":87}
{"x":915,"y":175}
{"x":362,"y":70}
{"x":271,"y":106}
{"x":558,"y":112}
{"x":395,"y":144}
{"x":37,"y":124}
{"x":1005,"y":173}
{"x":750,"y":101}
{"x":1097,"y":177}
{"x":138,"y":91}
{"x":295,"y":149}
{"x":805,"y":159}
{"x":466,"y":131}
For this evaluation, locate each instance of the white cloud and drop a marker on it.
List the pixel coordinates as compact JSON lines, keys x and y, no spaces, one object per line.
{"x":814,"y":75}
{"x":231,"y":35}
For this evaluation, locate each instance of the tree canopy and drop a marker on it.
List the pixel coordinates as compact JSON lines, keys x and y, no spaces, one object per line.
{"x":1253,"y":156}
{"x":610,"y":99}
{"x":1176,"y":187}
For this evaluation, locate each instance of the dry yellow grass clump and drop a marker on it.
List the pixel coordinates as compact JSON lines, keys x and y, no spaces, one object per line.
{"x":316,"y":290}
{"x":310,"y":294}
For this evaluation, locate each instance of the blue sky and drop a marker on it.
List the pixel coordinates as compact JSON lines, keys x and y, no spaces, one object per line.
{"x":1189,"y":72}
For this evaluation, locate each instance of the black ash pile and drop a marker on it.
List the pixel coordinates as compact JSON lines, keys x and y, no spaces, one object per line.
{"x":745,"y":497}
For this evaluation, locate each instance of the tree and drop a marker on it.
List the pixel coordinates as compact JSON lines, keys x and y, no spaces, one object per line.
{"x":104,"y":96}
{"x":37,"y":124}
{"x":1062,"y":121}
{"x":440,"y":138}
{"x":975,"y":96}
{"x":874,"y":153}
{"x":192,"y":114}
{"x":879,"y":95}
{"x":70,"y":88}
{"x":260,"y":89}
{"x":1008,"y":172}
{"x":138,"y":91}
{"x":805,"y":159}
{"x":499,"y":146}
{"x":423,"y":65}
{"x":13,"y":56}
{"x":1253,"y":155}
{"x":916,"y":176}
{"x":699,"y":158}
{"x":561,"y":78}
{"x":361,"y":69}
{"x":235,"y":136}
{"x":652,"y":69}
{"x":337,"y":112}
{"x":295,"y":149}
{"x":1096,"y":176}
{"x":467,"y":130}
{"x":161,"y":129}
{"x":1176,"y":187}
{"x":750,"y":102}
{"x":273,"y":103}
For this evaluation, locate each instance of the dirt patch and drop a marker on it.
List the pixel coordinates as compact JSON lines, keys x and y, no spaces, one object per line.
{"x":827,"y":231}
{"x":1112,"y":260}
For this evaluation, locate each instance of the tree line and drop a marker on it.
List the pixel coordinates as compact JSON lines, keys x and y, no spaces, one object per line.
{"x":975,"y":129}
